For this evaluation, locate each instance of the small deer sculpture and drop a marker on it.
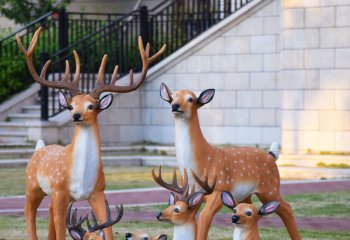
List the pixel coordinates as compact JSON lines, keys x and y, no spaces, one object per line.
{"x":73,"y":172}
{"x":144,"y":236}
{"x":94,"y":232}
{"x":245,"y":216}
{"x":183,"y":209}
{"x":240,"y":170}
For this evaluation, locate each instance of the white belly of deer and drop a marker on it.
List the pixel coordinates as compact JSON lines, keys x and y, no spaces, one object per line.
{"x":185,"y":232}
{"x":183,"y":145}
{"x":242,"y":190}
{"x":85,"y":164}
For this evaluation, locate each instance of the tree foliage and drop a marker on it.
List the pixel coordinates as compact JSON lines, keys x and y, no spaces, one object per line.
{"x":25,"y":11}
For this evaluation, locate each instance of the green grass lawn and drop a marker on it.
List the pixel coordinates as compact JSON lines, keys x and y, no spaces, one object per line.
{"x":13,"y":228}
{"x":13,"y":179}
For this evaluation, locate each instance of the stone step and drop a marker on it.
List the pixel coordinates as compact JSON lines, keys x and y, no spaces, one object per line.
{"x":23,"y":117}
{"x":13,"y":126}
{"x":312,"y":173}
{"x":12,"y":137}
{"x":311,"y":160}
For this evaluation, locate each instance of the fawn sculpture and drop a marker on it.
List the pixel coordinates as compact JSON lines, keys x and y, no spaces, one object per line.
{"x":95,"y":232}
{"x":240,"y":170}
{"x":73,"y":172}
{"x":144,"y":236}
{"x":182,"y":210}
{"x":246,"y":216}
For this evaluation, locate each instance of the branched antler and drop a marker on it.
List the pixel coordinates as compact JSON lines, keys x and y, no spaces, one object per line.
{"x":174,"y":185}
{"x":101,"y":87}
{"x":64,"y":83}
{"x":204,"y":184}
{"x":108,"y":222}
{"x":72,"y":222}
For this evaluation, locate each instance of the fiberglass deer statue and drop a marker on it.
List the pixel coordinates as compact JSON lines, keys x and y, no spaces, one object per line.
{"x":73,"y":172}
{"x":240,"y":170}
{"x":95,"y":232}
{"x":245,"y":216}
{"x":144,"y":236}
{"x":182,"y":210}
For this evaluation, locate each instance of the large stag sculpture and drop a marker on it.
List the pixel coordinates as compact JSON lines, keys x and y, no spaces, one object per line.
{"x":73,"y":172}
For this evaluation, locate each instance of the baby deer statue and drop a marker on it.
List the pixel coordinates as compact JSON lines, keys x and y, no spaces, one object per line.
{"x":144,"y":236}
{"x":242,"y":171}
{"x":246,"y":216}
{"x":182,"y":210}
{"x":94,"y":232}
{"x":73,"y":172}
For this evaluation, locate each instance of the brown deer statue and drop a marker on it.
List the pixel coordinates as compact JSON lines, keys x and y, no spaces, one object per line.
{"x":240,"y":170}
{"x":73,"y":172}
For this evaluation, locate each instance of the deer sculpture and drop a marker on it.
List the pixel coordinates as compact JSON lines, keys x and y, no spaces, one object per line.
{"x":144,"y":236}
{"x":95,"y":232}
{"x":73,"y":172}
{"x":240,"y":170}
{"x":246,"y":216}
{"x":183,"y":209}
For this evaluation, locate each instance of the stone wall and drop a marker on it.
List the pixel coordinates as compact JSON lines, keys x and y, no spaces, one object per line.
{"x":315,"y":56}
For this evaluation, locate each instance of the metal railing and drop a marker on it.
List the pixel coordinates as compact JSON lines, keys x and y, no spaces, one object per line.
{"x":172,"y":22}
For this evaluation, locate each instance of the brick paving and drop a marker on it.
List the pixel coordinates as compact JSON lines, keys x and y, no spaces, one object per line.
{"x":13,"y":206}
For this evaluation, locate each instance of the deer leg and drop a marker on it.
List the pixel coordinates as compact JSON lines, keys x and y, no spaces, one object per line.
{"x":52,"y":232}
{"x":59,"y":201}
{"x":33,"y":200}
{"x":98,"y":205}
{"x":285,"y":213}
{"x":212,"y":206}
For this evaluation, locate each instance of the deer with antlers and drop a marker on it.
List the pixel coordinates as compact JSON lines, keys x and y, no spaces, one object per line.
{"x":95,"y":232}
{"x":240,"y":170}
{"x":73,"y":172}
{"x":245,"y":216}
{"x":183,"y":209}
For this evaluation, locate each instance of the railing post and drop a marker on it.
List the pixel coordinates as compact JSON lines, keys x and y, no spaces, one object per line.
{"x":44,"y":93}
{"x":144,"y":31}
{"x":62,"y":33}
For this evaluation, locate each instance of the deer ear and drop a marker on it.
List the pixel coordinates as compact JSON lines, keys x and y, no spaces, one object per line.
{"x":269,"y":208}
{"x":205,"y":97}
{"x":227,"y":200}
{"x":195,"y":199}
{"x":163,"y":237}
{"x":76,"y":235}
{"x":172,"y":199}
{"x":105,"y":102}
{"x":165,"y":93}
{"x":63,"y":100}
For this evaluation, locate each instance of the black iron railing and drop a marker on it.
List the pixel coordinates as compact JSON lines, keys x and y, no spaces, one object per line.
{"x":172,"y":22}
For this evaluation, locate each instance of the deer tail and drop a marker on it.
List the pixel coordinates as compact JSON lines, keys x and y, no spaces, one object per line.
{"x":274,"y":150}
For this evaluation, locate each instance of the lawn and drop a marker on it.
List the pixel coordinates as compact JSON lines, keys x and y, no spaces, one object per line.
{"x":13,"y":179}
{"x":13,"y":228}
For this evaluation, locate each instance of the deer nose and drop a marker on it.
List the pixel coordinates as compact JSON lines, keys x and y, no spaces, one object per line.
{"x":128,"y":235}
{"x":158,"y":215}
{"x":76,"y":116}
{"x":175,"y":107}
{"x":235,"y":219}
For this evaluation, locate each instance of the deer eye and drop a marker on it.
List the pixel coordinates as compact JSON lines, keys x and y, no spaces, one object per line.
{"x":234,"y":211}
{"x":90,"y":107}
{"x":176,"y":210}
{"x":190,"y":100}
{"x":248,"y":213}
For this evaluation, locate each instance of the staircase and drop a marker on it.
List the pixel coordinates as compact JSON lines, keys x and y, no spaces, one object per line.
{"x":173,"y":22}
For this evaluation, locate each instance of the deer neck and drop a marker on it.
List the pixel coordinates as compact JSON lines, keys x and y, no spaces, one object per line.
{"x":85,"y":160}
{"x":186,"y":232}
{"x":246,"y":234}
{"x":190,"y":144}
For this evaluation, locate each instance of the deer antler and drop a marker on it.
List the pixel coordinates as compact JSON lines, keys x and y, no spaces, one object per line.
{"x":72,"y":222}
{"x":205,"y":184}
{"x":108,"y":222}
{"x":174,"y":185}
{"x":146,"y":61}
{"x":60,"y":84}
